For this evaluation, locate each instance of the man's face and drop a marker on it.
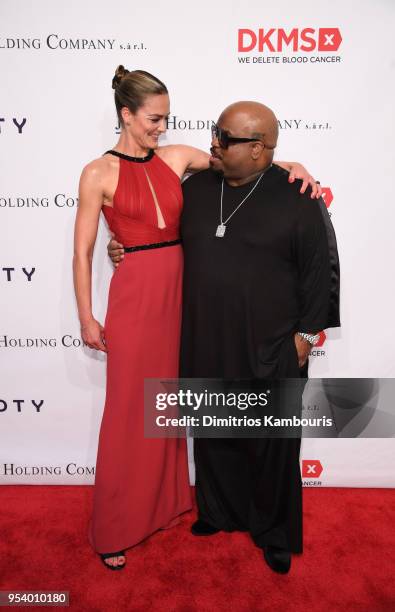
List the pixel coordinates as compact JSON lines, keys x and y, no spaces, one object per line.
{"x":236,"y":160}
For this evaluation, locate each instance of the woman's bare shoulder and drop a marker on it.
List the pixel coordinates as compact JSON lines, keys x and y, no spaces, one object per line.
{"x":101,"y":165}
{"x":100,"y":169}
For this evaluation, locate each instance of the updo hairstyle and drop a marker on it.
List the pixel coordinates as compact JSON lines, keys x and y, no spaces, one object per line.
{"x":133,"y":87}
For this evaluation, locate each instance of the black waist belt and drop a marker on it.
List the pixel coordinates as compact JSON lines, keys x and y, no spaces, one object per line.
{"x":155,"y":245}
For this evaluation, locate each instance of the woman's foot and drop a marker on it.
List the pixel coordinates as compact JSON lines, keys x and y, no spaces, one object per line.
{"x":115,"y":560}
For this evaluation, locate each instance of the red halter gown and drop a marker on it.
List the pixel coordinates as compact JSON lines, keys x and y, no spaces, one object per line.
{"x":141,"y":484}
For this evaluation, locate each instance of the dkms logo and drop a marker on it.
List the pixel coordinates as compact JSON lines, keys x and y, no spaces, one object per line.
{"x":320,"y":44}
{"x":277,"y":40}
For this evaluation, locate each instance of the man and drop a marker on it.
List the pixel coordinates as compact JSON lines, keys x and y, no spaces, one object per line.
{"x":261,"y":269}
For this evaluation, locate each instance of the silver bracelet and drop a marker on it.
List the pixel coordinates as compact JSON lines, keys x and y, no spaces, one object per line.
{"x":312,"y":338}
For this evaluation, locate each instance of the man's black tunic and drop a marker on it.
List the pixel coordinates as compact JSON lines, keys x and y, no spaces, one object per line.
{"x":275,"y":272}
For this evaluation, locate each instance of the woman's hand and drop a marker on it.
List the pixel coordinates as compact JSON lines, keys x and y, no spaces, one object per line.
{"x":297,"y":171}
{"x":93,"y":335}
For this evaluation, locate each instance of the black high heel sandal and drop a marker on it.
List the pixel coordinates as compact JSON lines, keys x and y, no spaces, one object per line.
{"x":104,"y":556}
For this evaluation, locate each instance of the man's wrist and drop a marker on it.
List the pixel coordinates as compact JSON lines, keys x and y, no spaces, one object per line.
{"x":313,"y":339}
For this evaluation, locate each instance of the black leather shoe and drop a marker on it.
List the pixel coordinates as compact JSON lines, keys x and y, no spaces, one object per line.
{"x":278,"y":560}
{"x":201,"y":528}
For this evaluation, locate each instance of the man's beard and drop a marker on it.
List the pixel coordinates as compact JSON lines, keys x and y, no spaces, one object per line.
{"x":218,"y":171}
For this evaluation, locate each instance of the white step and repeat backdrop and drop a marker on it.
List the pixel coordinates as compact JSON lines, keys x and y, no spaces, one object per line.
{"x":326,"y":68}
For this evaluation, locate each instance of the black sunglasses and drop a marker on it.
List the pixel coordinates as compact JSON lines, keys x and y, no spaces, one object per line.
{"x":225,"y":140}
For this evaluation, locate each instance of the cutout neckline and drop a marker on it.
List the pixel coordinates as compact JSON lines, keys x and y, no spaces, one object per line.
{"x":132,"y":159}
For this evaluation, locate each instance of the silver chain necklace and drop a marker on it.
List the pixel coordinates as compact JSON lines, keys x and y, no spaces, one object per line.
{"x":220,"y":233}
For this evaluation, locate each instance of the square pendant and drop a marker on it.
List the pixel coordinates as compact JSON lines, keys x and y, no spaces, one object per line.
{"x":220,"y":231}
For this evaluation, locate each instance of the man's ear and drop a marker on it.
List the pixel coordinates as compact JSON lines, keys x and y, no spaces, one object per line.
{"x":257,"y":150}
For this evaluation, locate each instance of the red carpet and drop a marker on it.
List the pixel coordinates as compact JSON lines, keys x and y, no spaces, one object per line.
{"x":348,"y":563}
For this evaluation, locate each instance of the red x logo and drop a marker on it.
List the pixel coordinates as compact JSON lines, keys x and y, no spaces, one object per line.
{"x":327,"y":196}
{"x":311,"y":468}
{"x":329,"y":39}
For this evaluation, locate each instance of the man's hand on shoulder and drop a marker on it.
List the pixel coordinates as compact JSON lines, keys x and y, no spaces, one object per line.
{"x":115,"y":252}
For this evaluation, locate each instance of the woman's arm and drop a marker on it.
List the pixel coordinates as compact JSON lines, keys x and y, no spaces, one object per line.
{"x":183,"y":158}
{"x":86,"y":224}
{"x":197,"y":159}
{"x":297,"y":171}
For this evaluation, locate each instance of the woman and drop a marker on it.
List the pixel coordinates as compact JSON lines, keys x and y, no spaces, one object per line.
{"x":141,"y":484}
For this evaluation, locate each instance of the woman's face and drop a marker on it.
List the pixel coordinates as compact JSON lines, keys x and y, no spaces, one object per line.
{"x":149,"y":122}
